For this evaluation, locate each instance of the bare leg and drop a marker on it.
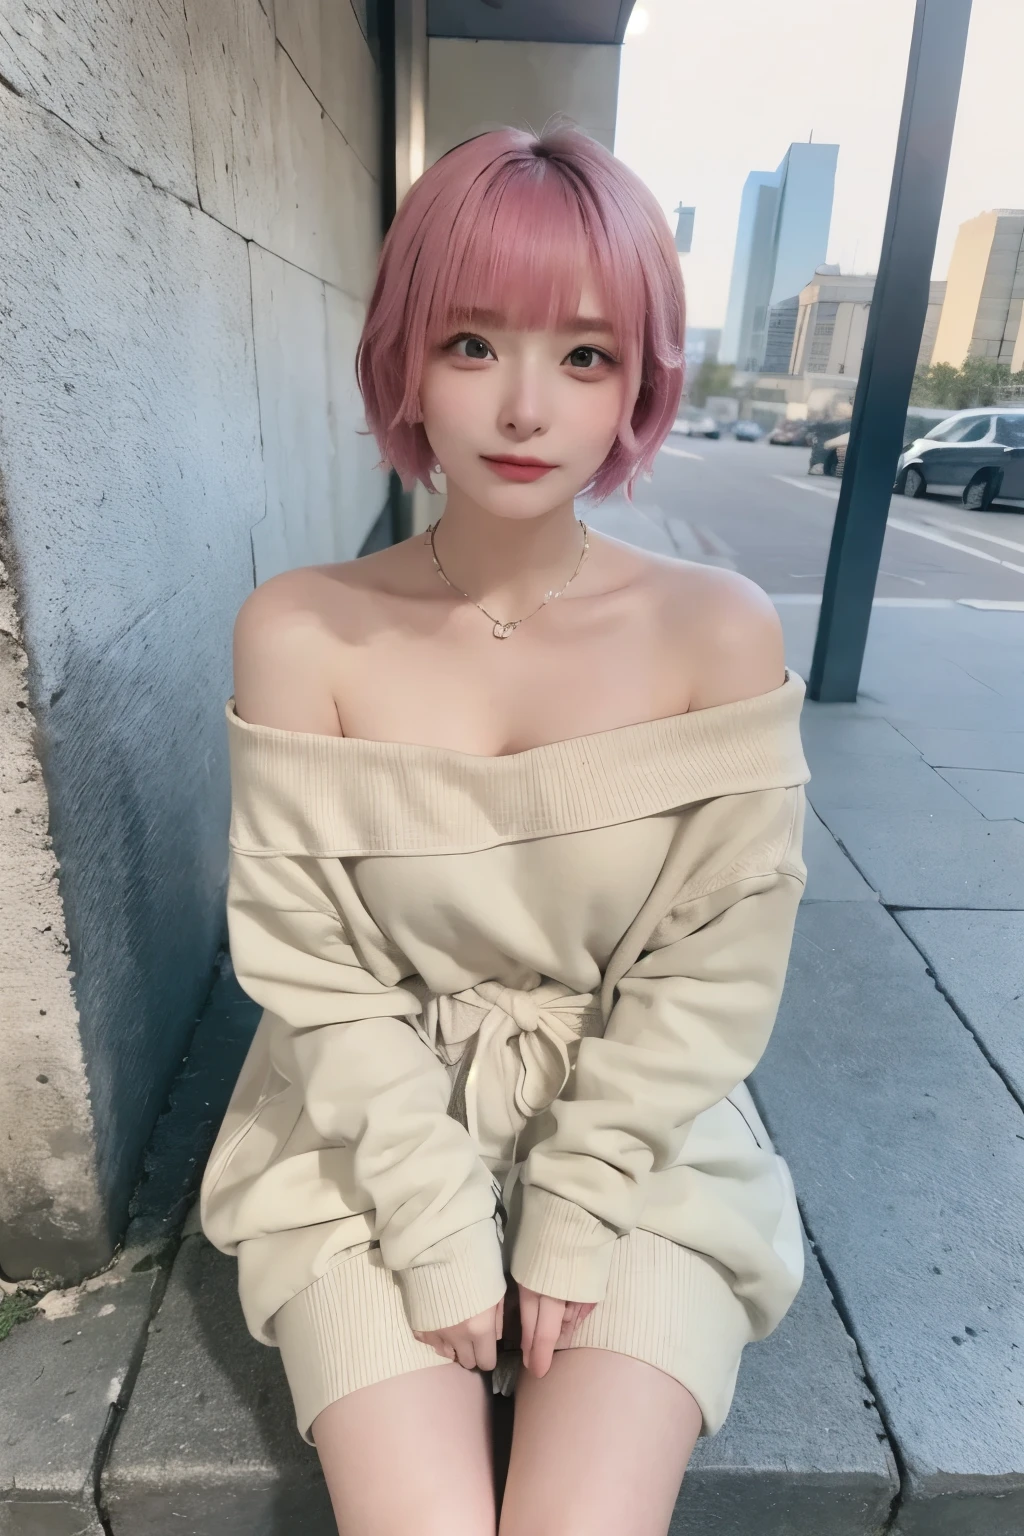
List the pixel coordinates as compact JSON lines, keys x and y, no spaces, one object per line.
{"x":411,"y":1454}
{"x":599,"y":1448}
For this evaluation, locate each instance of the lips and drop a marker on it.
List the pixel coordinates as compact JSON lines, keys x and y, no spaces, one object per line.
{"x":518,"y":469}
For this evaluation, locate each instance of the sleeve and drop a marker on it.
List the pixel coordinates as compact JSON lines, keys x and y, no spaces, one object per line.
{"x":368,"y":1080}
{"x":691,"y":1018}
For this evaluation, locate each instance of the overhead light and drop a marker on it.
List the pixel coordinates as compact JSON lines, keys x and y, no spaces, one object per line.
{"x":638,"y":22}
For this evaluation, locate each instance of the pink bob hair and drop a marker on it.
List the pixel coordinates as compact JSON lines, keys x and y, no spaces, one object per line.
{"x":513,"y":222}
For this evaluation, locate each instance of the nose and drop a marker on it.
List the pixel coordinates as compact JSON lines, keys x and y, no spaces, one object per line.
{"x":525,"y":406}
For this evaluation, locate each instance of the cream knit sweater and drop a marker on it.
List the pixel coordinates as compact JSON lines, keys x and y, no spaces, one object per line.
{"x":510,"y":1001}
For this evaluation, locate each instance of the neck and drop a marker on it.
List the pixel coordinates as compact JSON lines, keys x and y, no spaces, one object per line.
{"x":507,"y":563}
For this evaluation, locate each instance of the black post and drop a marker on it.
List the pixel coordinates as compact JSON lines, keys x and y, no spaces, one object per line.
{"x":891,"y":345}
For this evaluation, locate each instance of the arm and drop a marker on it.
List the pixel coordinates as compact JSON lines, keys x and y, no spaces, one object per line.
{"x":305,"y":949}
{"x":369,"y":1081}
{"x":691,"y":1019}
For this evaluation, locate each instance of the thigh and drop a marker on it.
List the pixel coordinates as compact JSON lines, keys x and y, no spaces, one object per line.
{"x":599,"y":1448}
{"x":411,"y":1454}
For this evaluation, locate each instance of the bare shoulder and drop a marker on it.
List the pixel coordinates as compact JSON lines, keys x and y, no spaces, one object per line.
{"x":280,"y":653}
{"x":729,"y":630}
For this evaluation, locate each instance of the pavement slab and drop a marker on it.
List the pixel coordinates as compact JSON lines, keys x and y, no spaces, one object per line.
{"x":952,"y":747}
{"x":907,"y":1151}
{"x":914,"y":859}
{"x":998,"y":795}
{"x":65,"y":1374}
{"x":209,"y":1443}
{"x":830,"y":875}
{"x":845,"y":780}
{"x":978,"y":961}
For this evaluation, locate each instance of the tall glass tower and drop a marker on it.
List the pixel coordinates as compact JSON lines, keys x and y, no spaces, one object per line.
{"x":782,"y":238}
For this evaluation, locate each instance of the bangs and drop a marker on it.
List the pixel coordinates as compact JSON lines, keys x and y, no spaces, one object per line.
{"x":516,"y":224}
{"x":523,"y":249}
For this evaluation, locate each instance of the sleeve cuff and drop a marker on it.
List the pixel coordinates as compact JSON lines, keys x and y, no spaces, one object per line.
{"x":455,"y":1279}
{"x":560,"y":1249}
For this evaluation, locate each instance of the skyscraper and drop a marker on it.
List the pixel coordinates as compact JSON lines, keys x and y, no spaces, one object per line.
{"x":981,"y":313}
{"x":782,"y":238}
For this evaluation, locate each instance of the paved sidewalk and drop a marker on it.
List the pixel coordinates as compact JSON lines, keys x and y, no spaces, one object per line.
{"x":890,"y":1398}
{"x":894,"y":1082}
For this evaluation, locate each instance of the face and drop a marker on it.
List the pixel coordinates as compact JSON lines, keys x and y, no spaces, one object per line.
{"x":495,"y":399}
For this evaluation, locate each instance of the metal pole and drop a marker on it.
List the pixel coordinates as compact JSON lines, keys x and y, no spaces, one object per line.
{"x":891,"y":345}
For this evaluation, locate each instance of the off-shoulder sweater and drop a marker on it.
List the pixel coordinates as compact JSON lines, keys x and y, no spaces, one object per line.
{"x":509,"y":1004}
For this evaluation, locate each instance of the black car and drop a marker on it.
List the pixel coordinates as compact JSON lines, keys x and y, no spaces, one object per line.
{"x":821,"y":435}
{"x":976,"y":454}
{"x":791,"y":433}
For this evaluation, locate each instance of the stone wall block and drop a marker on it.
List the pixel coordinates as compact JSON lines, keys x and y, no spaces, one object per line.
{"x":270,"y":163}
{"x":130,"y":456}
{"x":326,"y":43}
{"x":289,"y":326}
{"x":359,"y":487}
{"x":115,"y":73}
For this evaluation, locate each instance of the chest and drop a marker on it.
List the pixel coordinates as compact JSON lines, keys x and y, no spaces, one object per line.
{"x":458,"y":687}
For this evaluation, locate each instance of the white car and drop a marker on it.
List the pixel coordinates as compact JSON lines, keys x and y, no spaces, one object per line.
{"x":976,"y":454}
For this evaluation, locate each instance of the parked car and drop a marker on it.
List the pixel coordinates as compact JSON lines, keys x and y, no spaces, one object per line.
{"x":747,"y":432}
{"x":978,"y":454}
{"x":828,"y":440}
{"x":697,"y":426}
{"x":791,"y":433}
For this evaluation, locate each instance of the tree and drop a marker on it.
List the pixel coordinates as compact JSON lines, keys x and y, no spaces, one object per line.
{"x":713,"y":378}
{"x":979,"y":381}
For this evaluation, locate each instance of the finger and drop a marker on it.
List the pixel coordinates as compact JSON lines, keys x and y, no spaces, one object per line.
{"x":569,"y":1322}
{"x":465,"y":1351}
{"x":545,"y":1334}
{"x":486,"y":1348}
{"x":527,"y":1319}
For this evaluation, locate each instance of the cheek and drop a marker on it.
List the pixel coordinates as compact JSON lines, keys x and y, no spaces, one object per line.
{"x":449,"y":397}
{"x":596,"y":412}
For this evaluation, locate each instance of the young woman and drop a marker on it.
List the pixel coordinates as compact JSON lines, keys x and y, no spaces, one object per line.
{"x":516,"y":823}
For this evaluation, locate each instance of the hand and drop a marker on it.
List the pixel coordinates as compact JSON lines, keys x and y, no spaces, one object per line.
{"x":472,"y":1343}
{"x":547,"y":1324}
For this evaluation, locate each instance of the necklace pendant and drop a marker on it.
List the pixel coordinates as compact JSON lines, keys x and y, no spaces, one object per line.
{"x":502,"y":631}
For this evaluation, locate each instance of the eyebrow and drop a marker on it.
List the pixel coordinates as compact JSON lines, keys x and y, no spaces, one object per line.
{"x":581,"y":324}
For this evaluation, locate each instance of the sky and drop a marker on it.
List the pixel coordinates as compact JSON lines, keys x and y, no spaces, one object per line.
{"x":708,"y":93}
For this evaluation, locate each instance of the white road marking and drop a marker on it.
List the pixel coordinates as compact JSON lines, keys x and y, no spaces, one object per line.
{"x":682,"y":453}
{"x":917,"y":530}
{"x":991,"y":602}
{"x":891,"y":602}
{"x":804,"y":485}
{"x":938,"y":538}
{"x":989,"y":538}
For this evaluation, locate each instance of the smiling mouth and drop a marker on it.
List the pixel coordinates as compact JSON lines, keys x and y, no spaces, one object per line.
{"x":509,"y":458}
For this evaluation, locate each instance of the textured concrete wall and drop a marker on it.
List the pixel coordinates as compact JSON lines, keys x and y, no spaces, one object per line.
{"x":191,"y":218}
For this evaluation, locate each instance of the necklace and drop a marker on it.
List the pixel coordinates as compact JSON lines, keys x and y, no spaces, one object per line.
{"x":503,"y":628}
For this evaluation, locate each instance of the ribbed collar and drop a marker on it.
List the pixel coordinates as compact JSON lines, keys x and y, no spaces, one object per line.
{"x":333,"y":796}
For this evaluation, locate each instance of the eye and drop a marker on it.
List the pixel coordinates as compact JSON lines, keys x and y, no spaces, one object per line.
{"x":589,"y":358}
{"x":477,"y":349}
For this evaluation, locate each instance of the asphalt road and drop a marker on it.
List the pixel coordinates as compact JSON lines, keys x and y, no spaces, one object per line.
{"x":754,"y":507}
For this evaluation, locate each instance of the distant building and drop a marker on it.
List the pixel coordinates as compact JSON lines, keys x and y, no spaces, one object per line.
{"x":684,"y":229}
{"x":781,"y":240}
{"x":936,"y":298}
{"x":701,"y":345}
{"x":832,"y":323}
{"x":981,"y":315}
{"x":778,"y":348}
